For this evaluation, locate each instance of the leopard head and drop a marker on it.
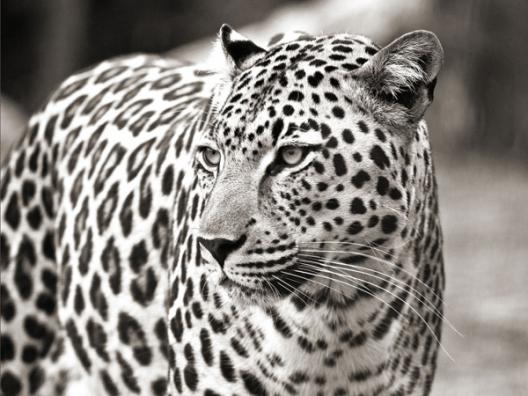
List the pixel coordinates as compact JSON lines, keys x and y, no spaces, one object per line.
{"x":308,"y":167}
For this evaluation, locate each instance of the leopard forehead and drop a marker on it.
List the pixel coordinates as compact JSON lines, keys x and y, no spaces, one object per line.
{"x":287,"y":90}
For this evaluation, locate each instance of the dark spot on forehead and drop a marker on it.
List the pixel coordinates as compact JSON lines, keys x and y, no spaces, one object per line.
{"x":332,"y":142}
{"x":332,"y":203}
{"x":348,"y":137}
{"x":357,"y":206}
{"x":337,"y":57}
{"x":319,"y":167}
{"x":339,"y":165}
{"x":362,"y":126}
{"x":349,"y":66}
{"x":370,"y":50}
{"x":334,"y":82}
{"x":379,"y":157}
{"x":330,"y":97}
{"x":361,"y":60}
{"x":342,"y":48}
{"x":277,"y":129}
{"x":360,"y":178}
{"x":299,"y":74}
{"x":315,"y":79}
{"x":296,"y":96}
{"x":287,"y":110}
{"x":338,"y":112}
{"x":380,"y":135}
{"x":325,"y":131}
{"x":316,"y":206}
{"x":292,"y":47}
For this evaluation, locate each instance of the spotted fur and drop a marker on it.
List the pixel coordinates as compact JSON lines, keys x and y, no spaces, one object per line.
{"x":156,"y":239}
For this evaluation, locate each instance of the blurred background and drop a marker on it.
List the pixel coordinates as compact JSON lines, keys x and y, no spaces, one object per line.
{"x":478,"y":123}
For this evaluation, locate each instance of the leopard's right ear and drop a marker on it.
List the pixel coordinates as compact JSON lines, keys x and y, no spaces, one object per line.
{"x":240,"y":52}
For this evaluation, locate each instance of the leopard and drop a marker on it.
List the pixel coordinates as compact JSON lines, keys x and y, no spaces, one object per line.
{"x":262,"y":223}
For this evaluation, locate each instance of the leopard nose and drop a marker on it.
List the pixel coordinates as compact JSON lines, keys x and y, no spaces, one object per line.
{"x":220,"y":248}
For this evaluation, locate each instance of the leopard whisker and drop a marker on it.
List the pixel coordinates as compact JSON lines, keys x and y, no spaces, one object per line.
{"x":274,"y":291}
{"x":354,"y":268}
{"x":392,"y":294}
{"x":354,"y":286}
{"x":377,"y":259}
{"x":413,"y":291}
{"x":314,"y":281}
{"x":413,"y":277}
{"x":292,"y":288}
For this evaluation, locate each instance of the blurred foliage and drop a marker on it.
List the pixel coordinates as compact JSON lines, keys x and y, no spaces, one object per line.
{"x":485,"y":43}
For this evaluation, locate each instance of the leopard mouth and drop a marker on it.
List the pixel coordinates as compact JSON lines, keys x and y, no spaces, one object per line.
{"x":267,"y":282}
{"x":277,"y":285}
{"x":269,"y":263}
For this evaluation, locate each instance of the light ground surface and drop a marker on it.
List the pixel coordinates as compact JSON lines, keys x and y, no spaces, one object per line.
{"x":484,"y":207}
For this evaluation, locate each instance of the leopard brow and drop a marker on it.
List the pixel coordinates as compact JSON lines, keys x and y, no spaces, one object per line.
{"x":306,"y":141}
{"x":297,"y":143}
{"x":205,"y":143}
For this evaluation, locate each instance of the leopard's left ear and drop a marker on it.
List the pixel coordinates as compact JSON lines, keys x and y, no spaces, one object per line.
{"x":240,"y":52}
{"x":404,"y":72}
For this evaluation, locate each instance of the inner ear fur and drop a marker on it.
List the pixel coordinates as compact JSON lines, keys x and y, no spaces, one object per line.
{"x":405,"y":71}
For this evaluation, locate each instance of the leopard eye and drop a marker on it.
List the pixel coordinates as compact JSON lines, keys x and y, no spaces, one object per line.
{"x":210,"y":158}
{"x":289,"y":157}
{"x":292,"y":155}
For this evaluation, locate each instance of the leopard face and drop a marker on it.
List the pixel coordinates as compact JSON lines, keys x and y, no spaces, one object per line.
{"x":306,"y":165}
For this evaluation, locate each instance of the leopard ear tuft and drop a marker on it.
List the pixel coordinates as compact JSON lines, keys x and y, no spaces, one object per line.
{"x":239,"y":51}
{"x":405,"y":71}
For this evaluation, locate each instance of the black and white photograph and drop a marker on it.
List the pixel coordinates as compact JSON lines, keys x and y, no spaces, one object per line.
{"x":264,"y":197}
